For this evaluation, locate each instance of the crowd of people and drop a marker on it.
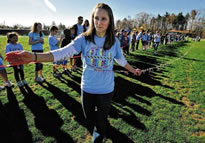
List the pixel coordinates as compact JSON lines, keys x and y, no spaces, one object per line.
{"x":97,"y":45}
{"x":131,"y":39}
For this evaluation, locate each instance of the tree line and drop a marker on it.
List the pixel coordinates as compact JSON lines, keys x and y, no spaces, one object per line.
{"x":194,"y":22}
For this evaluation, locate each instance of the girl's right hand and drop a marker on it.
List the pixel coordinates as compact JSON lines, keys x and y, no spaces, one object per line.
{"x":20,"y":57}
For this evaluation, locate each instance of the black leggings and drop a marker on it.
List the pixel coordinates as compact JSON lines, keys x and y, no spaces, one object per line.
{"x":18,"y":70}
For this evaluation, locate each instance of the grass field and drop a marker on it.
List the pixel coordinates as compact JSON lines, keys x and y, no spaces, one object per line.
{"x":167,"y":105}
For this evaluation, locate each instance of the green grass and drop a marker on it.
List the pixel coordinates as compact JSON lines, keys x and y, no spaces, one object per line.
{"x":166,"y":105}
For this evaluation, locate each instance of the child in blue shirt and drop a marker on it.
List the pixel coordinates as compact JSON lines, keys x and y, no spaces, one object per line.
{"x":99,"y":49}
{"x":53,"y":45}
{"x":156,"y":42}
{"x":36,"y":40}
{"x":14,"y":46}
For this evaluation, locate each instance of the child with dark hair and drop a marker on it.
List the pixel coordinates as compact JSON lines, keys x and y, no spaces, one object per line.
{"x":14,"y":46}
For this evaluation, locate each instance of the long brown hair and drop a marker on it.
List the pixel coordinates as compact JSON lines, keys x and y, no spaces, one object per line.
{"x":34,"y":28}
{"x":110,"y":36}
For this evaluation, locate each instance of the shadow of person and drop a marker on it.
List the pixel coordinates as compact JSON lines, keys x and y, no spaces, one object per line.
{"x":13,"y":124}
{"x":75,"y":86}
{"x":116,"y":136}
{"x":133,"y":89}
{"x":69,"y":103}
{"x":46,"y":120}
{"x":76,"y":109}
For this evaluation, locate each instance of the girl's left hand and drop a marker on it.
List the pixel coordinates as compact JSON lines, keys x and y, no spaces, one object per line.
{"x":137,"y":72}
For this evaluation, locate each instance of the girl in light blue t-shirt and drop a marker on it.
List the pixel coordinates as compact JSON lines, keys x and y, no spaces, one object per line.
{"x":14,"y":46}
{"x":36,"y":40}
{"x":99,"y":49}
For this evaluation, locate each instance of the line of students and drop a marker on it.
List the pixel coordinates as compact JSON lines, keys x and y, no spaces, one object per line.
{"x":146,"y":39}
{"x":36,"y":40}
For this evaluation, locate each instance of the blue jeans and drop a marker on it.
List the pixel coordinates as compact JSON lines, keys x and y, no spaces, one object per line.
{"x":96,"y":108}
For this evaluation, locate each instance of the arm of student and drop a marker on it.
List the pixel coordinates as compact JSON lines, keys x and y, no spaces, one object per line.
{"x":35,"y":42}
{"x":123,"y":62}
{"x":63,"y":53}
{"x":25,"y":57}
{"x":136,"y":72}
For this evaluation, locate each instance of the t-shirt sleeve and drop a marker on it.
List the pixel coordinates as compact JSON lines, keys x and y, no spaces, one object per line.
{"x":78,"y":42}
{"x":118,"y":49}
{"x":30,"y":35}
{"x":119,"y":57}
{"x":75,"y":47}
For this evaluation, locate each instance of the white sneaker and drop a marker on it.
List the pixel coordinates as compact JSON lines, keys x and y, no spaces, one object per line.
{"x":2,"y":88}
{"x":20,"y":83}
{"x":8,"y":84}
{"x":24,"y":82}
{"x":42,"y":78}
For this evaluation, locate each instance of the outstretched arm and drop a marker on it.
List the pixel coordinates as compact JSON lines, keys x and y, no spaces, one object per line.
{"x":25,"y":57}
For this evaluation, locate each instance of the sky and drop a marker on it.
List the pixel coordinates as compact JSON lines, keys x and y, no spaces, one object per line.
{"x":26,"y":12}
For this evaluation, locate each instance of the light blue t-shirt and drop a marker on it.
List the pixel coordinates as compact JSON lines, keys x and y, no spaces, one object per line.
{"x":53,"y":42}
{"x":98,"y":75}
{"x":36,"y":37}
{"x":80,"y":29}
{"x":13,"y":47}
{"x":156,"y":38}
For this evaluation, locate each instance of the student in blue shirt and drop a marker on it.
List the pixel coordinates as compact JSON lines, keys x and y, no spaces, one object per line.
{"x":53,"y":45}
{"x":36,"y":40}
{"x":156,"y":42}
{"x":100,"y":48}
{"x":14,"y":46}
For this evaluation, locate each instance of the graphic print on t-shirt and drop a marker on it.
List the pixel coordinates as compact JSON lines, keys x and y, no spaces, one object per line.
{"x":98,"y":58}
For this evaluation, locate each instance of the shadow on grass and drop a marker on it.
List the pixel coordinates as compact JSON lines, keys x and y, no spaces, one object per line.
{"x":76,"y":109}
{"x":46,"y":120}
{"x":126,"y":88}
{"x":13,"y":124}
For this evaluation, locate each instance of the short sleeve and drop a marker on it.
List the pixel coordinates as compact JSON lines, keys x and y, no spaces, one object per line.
{"x":30,"y":35}
{"x":118,"y":49}
{"x":78,"y":42}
